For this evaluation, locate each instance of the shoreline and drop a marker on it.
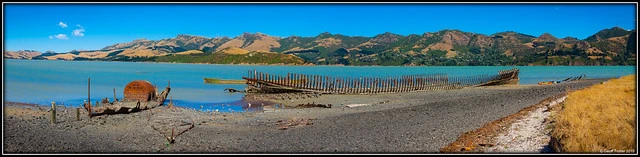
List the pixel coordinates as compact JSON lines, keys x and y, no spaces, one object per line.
{"x":412,"y":122}
{"x":332,"y":65}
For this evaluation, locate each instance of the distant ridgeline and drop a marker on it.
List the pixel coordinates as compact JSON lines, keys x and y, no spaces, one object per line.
{"x":614,"y":46}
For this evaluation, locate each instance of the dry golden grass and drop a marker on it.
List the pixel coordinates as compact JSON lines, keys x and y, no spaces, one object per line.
{"x":599,"y":118}
{"x":65,"y":56}
{"x":234,"y":51}
{"x":189,"y":52}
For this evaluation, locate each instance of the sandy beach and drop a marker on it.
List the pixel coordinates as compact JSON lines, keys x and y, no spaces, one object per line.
{"x":412,"y":122}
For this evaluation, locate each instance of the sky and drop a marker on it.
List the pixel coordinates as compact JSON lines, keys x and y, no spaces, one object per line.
{"x":62,"y":27}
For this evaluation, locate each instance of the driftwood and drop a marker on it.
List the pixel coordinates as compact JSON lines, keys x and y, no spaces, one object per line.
{"x":231,"y":90}
{"x":170,"y":124}
{"x":285,"y":124}
{"x":308,"y":105}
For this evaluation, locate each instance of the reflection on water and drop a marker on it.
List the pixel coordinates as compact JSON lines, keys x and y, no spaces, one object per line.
{"x":231,"y":106}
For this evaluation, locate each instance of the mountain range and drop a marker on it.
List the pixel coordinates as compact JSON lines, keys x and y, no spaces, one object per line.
{"x":614,"y":46}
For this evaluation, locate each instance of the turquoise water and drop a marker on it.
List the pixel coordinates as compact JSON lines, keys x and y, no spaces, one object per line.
{"x":65,"y":82}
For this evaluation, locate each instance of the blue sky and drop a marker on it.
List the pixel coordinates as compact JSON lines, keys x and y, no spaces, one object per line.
{"x":65,"y":27}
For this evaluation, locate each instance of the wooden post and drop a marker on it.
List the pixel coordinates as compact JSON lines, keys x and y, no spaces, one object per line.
{"x":297,"y":81}
{"x":319,"y":83}
{"x":373,"y":84}
{"x":78,"y":114}
{"x":307,"y":85}
{"x":114,"y":94}
{"x":396,"y":84}
{"x":303,"y":83}
{"x":356,"y":85}
{"x":374,"y":81}
{"x":346,"y":85}
{"x":315,"y":81}
{"x":414,"y":82}
{"x":423,"y":82}
{"x":89,"y":91}
{"x":403,"y":83}
{"x":254,"y":76}
{"x":324,"y":84}
{"x":306,"y":80}
{"x":429,"y":82}
{"x":384,"y":85}
{"x":335,"y":83}
{"x":419,"y":82}
{"x":408,"y":83}
{"x":311,"y":81}
{"x":300,"y":79}
{"x":53,"y":112}
{"x":343,"y":84}
{"x":279,"y":78}
{"x":367,"y":85}
{"x":400,"y":83}
{"x":351,"y":83}
{"x":294,"y":80}
{"x":360,"y":83}
{"x":387,"y":84}
{"x":327,"y":83}
{"x":376,"y":84}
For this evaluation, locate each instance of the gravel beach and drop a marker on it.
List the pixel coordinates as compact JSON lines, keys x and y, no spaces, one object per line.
{"x":413,"y":122}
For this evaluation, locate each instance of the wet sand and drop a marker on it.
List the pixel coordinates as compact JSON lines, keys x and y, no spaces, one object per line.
{"x":413,"y":122}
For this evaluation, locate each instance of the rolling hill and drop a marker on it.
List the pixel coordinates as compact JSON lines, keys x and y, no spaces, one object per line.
{"x":614,"y":46}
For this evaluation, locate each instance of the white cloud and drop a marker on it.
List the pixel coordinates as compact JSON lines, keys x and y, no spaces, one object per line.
{"x":78,"y":32}
{"x":62,"y":24}
{"x":51,"y":37}
{"x":62,"y":36}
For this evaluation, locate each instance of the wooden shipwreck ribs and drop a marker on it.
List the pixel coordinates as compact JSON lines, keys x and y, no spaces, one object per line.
{"x":259,"y":82}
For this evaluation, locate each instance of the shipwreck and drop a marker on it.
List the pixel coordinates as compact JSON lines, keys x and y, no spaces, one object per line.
{"x":138,"y":95}
{"x":259,"y":82}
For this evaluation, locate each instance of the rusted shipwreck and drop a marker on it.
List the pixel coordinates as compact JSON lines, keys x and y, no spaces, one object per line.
{"x":259,"y":82}
{"x":138,"y":95}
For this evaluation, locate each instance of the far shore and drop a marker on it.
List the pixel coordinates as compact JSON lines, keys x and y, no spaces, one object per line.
{"x":311,"y":64}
